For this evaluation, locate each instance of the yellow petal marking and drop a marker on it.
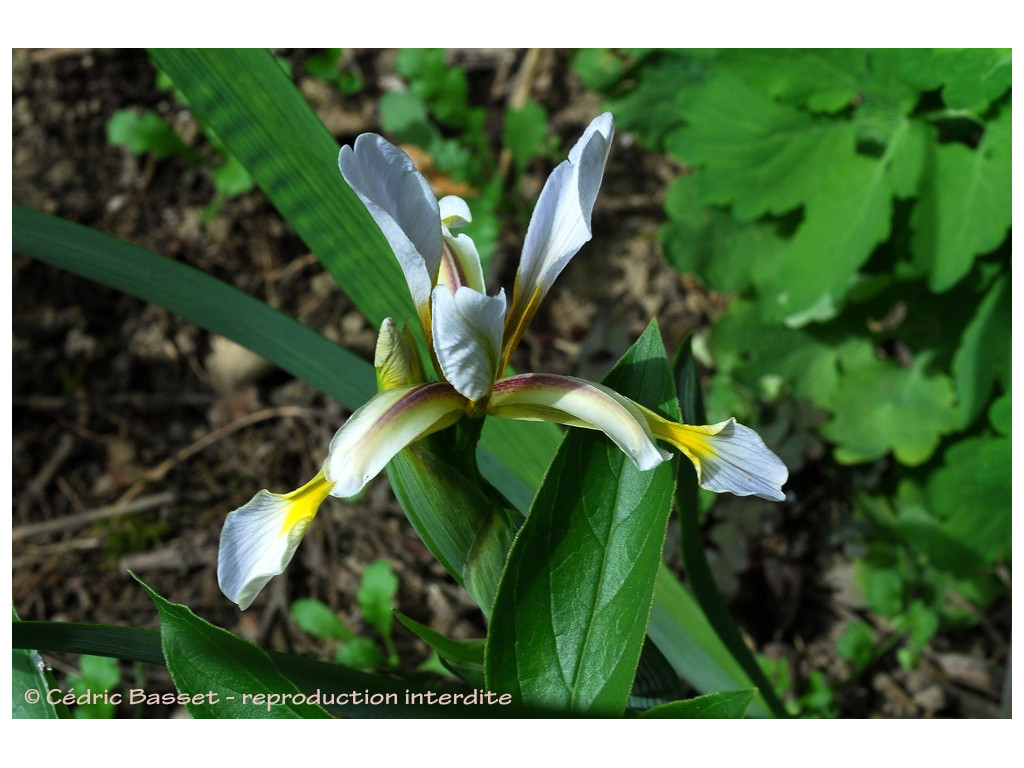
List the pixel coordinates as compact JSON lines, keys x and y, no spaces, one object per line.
{"x":303,"y":504}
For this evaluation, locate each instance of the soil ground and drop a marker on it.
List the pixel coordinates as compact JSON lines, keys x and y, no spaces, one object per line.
{"x":118,"y":404}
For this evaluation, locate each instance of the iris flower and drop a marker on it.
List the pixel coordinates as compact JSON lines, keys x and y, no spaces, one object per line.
{"x":471,"y":336}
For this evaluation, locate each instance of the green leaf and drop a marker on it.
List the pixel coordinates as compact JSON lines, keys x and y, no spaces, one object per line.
{"x":525,"y":131}
{"x":763,"y":157}
{"x":971,"y":77}
{"x":29,"y":676}
{"x":360,"y":653}
{"x":598,"y":68}
{"x":1000,"y":415}
{"x":569,"y":620}
{"x":723,"y":704}
{"x":883,"y":589}
{"x":972,"y":492}
{"x":983,"y":357}
{"x":230,"y":177}
{"x":97,"y":674}
{"x":466,"y":531}
{"x":199,"y":298}
{"x":310,"y":676}
{"x":317,"y":619}
{"x":964,"y":207}
{"x":376,"y":596}
{"x":242,"y":678}
{"x":463,"y":657}
{"x":146,"y":132}
{"x":880,"y":407}
{"x":857,"y":645}
{"x":684,"y":635}
{"x":727,"y":255}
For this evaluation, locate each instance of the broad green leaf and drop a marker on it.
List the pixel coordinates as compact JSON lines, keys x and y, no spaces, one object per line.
{"x":763,"y":157}
{"x":726,"y":254}
{"x":971,"y":493}
{"x":970,"y":78}
{"x":466,"y":531}
{"x":317,"y":619}
{"x":880,"y":407}
{"x":242,"y":678}
{"x":31,"y":676}
{"x":983,"y":356}
{"x":964,"y":207}
{"x":569,"y":620}
{"x":248,"y":100}
{"x":806,"y":359}
{"x":823,"y":80}
{"x":723,"y":704}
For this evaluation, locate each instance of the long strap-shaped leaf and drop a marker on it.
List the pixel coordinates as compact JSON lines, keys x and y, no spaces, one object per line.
{"x":199,"y":298}
{"x":248,"y":100}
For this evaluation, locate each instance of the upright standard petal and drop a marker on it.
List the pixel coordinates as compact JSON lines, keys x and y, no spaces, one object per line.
{"x":396,"y":359}
{"x":467,"y":338}
{"x":560,"y":224}
{"x":728,"y":457}
{"x":402,"y":204}
{"x":385,"y":425}
{"x":578,"y":403}
{"x":258,"y":539}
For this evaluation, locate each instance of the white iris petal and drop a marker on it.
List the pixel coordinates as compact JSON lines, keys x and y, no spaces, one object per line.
{"x":400,"y":201}
{"x":467,"y":338}
{"x":560,"y":224}
{"x":547,"y":397}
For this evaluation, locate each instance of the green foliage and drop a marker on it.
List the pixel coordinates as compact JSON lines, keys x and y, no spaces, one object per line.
{"x":724,"y":704}
{"x":327,"y":66}
{"x":858,"y":202}
{"x":526,"y":131}
{"x":205,"y":658}
{"x":376,"y":597}
{"x":570,"y":616}
{"x":97,"y":675}
{"x":144,"y":132}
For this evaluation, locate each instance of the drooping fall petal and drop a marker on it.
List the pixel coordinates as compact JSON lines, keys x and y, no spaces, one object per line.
{"x":728,"y":457}
{"x":259,"y":538}
{"x":579,"y":403}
